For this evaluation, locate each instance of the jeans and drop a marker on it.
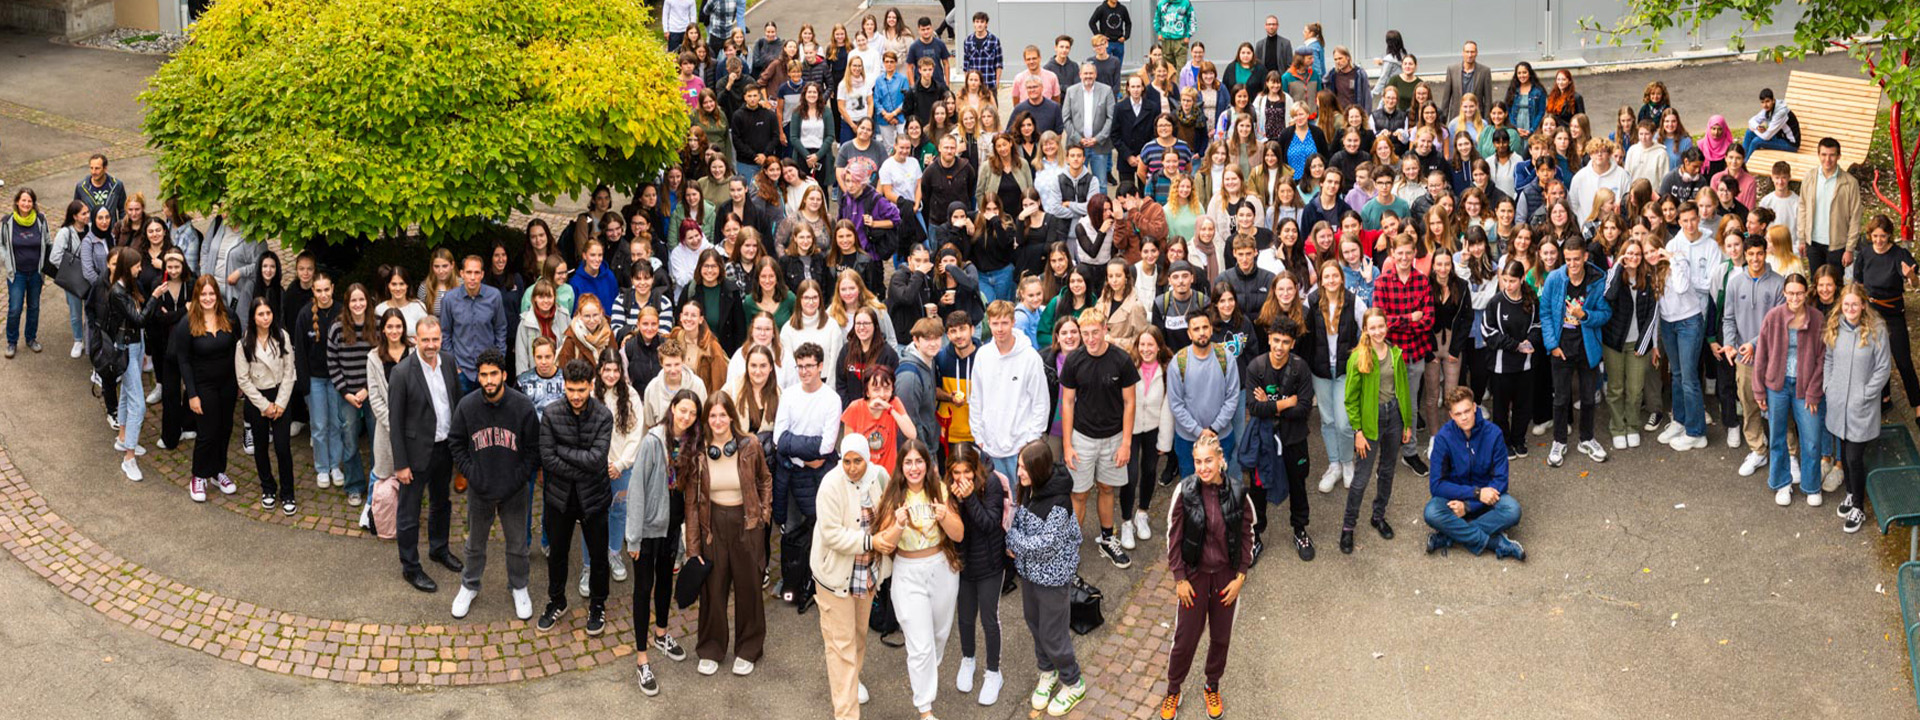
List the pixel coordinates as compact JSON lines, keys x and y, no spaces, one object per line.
{"x":1681,"y":338}
{"x":1008,"y":466}
{"x":1183,"y":452}
{"x":674,"y":39}
{"x":1416,"y":371}
{"x":1512,"y":406}
{"x":616,"y":518}
{"x":133,"y":397}
{"x":746,"y":171}
{"x":23,"y":294}
{"x":980,"y":598}
{"x":1783,"y":406}
{"x":1099,"y":162}
{"x":593,"y":526}
{"x":1117,"y":49}
{"x":270,"y":443}
{"x":480,"y":516}
{"x":1336,"y":431}
{"x":76,"y":308}
{"x":323,"y":406}
{"x":1142,"y":468}
{"x":351,"y":421}
{"x":1476,"y":532}
{"x":1776,"y":142}
{"x":1382,"y":453}
{"x":997,"y":285}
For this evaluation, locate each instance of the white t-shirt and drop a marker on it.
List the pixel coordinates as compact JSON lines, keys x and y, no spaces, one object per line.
{"x":412,"y":312}
{"x":1786,"y":211}
{"x":903,"y":175}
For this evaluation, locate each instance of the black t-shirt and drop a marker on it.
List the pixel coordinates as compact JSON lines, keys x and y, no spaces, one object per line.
{"x":1880,"y":272}
{"x":1096,"y":382}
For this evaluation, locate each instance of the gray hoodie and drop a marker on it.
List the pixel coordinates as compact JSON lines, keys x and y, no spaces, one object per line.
{"x":647,"y":496}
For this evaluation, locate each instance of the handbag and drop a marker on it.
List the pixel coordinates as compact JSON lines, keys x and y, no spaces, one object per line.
{"x":883,"y":620}
{"x":688,"y":582}
{"x":1083,"y":607}
{"x":71,"y":278}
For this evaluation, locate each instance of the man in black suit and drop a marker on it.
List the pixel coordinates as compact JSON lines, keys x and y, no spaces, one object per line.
{"x":575,"y":437}
{"x":422,"y":393}
{"x":1133,"y":118}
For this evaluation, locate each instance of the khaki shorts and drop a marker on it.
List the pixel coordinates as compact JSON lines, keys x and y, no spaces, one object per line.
{"x":1095,"y":457}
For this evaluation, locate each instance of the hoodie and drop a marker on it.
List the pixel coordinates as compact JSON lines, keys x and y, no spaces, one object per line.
{"x":495,"y":443}
{"x":915,"y":383}
{"x":1045,"y":539}
{"x":1463,"y":463}
{"x":1007,"y":400}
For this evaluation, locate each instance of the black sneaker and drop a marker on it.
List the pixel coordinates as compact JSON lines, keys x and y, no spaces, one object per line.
{"x":596,"y":620}
{"x":551,"y":616}
{"x":1654,"y":422}
{"x":1385,"y":530}
{"x":1110,"y":547}
{"x":268,"y":501}
{"x":1855,"y":519}
{"x":1259,"y":546}
{"x":1521,"y":451}
{"x":1418,"y":464}
{"x":289,"y":508}
{"x":1846,"y":506}
{"x":1008,"y":585}
{"x":669,"y":647}
{"x":1437,"y":542}
{"x":649,"y":685}
{"x":1303,"y":544}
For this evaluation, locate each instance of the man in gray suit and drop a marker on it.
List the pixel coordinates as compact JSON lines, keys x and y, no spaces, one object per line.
{"x":422,"y":393}
{"x":1088,"y":117}
{"x":1466,"y":76}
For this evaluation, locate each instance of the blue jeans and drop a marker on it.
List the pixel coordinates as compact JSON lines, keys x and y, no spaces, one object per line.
{"x":1336,"y":432}
{"x":23,"y":294}
{"x":1782,"y":407}
{"x":674,"y":39}
{"x":1477,"y":532}
{"x":616,"y":518}
{"x":1117,"y":49}
{"x":997,"y":285}
{"x":323,"y":406}
{"x":1099,"y":162}
{"x":1008,"y":466}
{"x":747,"y":170}
{"x":351,"y":421}
{"x":1681,"y":339}
{"x":1775,"y":143}
{"x":1183,"y":452}
{"x":133,"y":397}
{"x":75,"y":310}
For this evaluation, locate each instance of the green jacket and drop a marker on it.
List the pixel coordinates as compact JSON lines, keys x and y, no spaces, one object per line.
{"x":1173,"y":20}
{"x":1363,"y":412}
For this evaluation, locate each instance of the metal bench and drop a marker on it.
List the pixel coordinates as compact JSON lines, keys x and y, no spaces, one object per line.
{"x":1843,"y":108}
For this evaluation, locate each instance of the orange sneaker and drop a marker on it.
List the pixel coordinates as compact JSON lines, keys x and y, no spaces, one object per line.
{"x":1170,"y":707}
{"x":1214,"y":708}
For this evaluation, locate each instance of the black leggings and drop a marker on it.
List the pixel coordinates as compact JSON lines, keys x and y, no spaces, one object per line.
{"x":652,"y":581}
{"x":1853,"y":465}
{"x":270,"y":436}
{"x":981,"y":597}
{"x":1141,"y":462}
{"x":1512,"y":406}
{"x":215,"y":427}
{"x":1902,"y":347}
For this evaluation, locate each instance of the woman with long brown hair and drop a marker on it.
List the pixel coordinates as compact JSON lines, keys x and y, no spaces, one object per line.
{"x":121,"y":318}
{"x":348,"y":345}
{"x":920,"y":525}
{"x":204,"y":345}
{"x":728,"y":503}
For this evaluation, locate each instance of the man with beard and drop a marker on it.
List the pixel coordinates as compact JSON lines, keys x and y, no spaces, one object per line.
{"x":494,"y":438}
{"x":1203,"y":389}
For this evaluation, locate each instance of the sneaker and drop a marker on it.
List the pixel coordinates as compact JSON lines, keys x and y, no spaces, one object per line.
{"x":1068,"y":697}
{"x":1170,"y":707}
{"x":1813,"y":499}
{"x":186,"y":435}
{"x":153,"y":396}
{"x":1557,"y":454}
{"x":1437,"y":542}
{"x":296,"y":427}
{"x":289,"y":508}
{"x":1327,"y":481}
{"x":1784,"y":496}
{"x":1111,"y":549}
{"x":267,"y":501}
{"x":1504,"y":547}
{"x":597,"y":623}
{"x":131,"y":467}
{"x":1671,"y":433}
{"x":113,"y":421}
{"x":1215,"y":708}
{"x":12,"y":351}
{"x":1303,"y":545}
{"x":990,"y":687}
{"x":1831,"y":479}
{"x":551,"y":616}
{"x":354,"y":500}
{"x":95,"y":378}
{"x":649,"y":685}
{"x":246,"y":443}
{"x":1619,"y":442}
{"x":1346,"y":540}
{"x":863,"y":696}
{"x":1654,"y":421}
{"x":1633,"y":440}
{"x":322,"y":480}
{"x":463,"y":602}
{"x":586,"y":582}
{"x":1733,"y":437}
{"x":1259,"y":548}
{"x":1419,"y":464}
{"x":197,"y":489}
{"x":1689,"y":442}
{"x":225,"y":484}
{"x":35,"y":346}
{"x":669,"y":647}
{"x":339,"y":478}
{"x":1126,"y":536}
{"x":707,"y":667}
{"x":742,"y":667}
{"x":1142,"y":525}
{"x":1043,"y":690}
{"x":1521,"y":451}
{"x":1346,"y":474}
{"x":617,"y":565}
{"x":1541,"y":428}
{"x":522,"y":603}
{"x":1854,"y":520}
{"x":1593,"y":450}
{"x":1793,"y":470}
{"x":77,"y":350}
{"x":1846,"y":505}
{"x":963,"y":680}
{"x":1754,"y":461}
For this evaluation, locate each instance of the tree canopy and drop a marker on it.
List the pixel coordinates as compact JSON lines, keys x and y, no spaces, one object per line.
{"x":329,"y":119}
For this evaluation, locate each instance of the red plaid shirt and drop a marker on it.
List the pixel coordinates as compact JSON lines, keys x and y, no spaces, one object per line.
{"x":1400,"y":300}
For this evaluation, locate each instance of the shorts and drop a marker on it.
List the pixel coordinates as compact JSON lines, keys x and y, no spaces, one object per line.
{"x":1096,"y":462}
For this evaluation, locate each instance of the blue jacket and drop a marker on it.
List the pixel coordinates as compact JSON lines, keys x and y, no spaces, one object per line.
{"x":1553,"y":311}
{"x":606,"y":287}
{"x":1259,"y":452}
{"x":1463,"y":464}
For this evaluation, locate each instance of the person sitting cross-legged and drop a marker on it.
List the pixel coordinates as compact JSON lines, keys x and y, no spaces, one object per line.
{"x":1470,"y":505}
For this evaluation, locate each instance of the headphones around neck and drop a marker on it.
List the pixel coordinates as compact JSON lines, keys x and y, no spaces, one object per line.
{"x":714,"y":451}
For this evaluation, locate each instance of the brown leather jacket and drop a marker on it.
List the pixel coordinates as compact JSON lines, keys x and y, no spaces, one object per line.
{"x":756,"y":491}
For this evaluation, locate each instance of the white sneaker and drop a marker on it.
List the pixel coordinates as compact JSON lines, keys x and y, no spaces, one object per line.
{"x":1346,"y":474}
{"x":131,"y":467}
{"x":77,"y":350}
{"x":225,"y":484}
{"x":1754,"y":462}
{"x":1689,"y":442}
{"x":863,"y":694}
{"x":197,"y":489}
{"x":1784,"y":496}
{"x":522,"y":604}
{"x":741,"y":667}
{"x":1541,"y":428}
{"x":1126,"y":536}
{"x":339,"y":478}
{"x":246,"y":442}
{"x":990,"y":688}
{"x":1331,"y":476}
{"x":1831,"y":480}
{"x":1813,"y":500}
{"x":322,"y":480}
{"x":1793,"y":469}
{"x":1556,"y":454}
{"x":1633,"y":440}
{"x":1142,"y":525}
{"x":1673,"y":431}
{"x":617,"y":565}
{"x":1593,"y":450}
{"x":963,"y":680}
{"x":296,"y":427}
{"x":463,"y":601}
{"x":707,"y":667}
{"x":586,"y":582}
{"x":153,"y":396}
{"x":186,"y":435}
{"x":1733,"y":437}
{"x":1619,"y":442}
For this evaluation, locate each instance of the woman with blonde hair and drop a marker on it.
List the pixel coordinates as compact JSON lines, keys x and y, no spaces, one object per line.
{"x":1379,"y":402}
{"x":1858,"y":363}
{"x":441,"y":279}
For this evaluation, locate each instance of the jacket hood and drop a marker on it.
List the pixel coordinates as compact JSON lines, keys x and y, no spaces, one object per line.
{"x":1052,"y":492}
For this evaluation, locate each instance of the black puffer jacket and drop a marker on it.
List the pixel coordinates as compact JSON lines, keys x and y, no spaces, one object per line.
{"x":573,"y":451}
{"x":983,"y":554}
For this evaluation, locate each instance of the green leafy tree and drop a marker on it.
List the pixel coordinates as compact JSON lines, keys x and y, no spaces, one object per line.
{"x":333,"y":119}
{"x":1883,"y":35}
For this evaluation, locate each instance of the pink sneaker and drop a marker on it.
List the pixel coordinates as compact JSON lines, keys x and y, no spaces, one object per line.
{"x":197,"y":489}
{"x":225,"y":484}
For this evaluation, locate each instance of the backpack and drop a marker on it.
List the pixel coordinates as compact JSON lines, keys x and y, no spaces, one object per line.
{"x":1180,"y":361}
{"x":385,"y":501}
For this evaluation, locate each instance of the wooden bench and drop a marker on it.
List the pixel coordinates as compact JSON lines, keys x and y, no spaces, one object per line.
{"x":1842,"y":108}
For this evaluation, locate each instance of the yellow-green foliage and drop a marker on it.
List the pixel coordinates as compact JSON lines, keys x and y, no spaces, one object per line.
{"x":314,"y":119}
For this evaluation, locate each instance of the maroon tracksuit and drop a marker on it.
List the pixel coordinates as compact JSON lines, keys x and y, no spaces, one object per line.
{"x":1209,"y":580}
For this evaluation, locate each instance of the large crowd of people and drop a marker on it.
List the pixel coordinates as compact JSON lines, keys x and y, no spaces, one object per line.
{"x":922,"y":338}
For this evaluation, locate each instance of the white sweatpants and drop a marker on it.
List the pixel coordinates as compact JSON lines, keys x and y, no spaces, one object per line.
{"x":924,"y":591}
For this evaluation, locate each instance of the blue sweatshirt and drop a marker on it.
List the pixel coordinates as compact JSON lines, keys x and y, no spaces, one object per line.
{"x":1463,"y":463}
{"x":606,"y":287}
{"x":1202,"y":391}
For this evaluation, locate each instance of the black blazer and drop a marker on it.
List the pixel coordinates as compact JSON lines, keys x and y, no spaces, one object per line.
{"x":410,"y":409}
{"x":1131,"y":130}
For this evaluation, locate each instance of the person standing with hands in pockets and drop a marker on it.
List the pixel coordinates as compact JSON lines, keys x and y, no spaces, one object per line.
{"x":1210,"y":550}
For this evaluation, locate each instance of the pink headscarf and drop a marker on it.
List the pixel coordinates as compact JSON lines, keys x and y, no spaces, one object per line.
{"x":1718,"y":138}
